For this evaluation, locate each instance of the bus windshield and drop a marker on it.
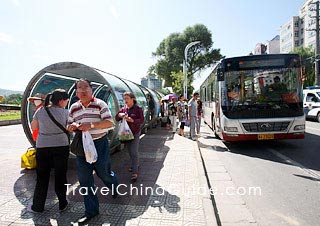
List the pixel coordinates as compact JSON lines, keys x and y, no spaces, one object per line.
{"x":262,"y":93}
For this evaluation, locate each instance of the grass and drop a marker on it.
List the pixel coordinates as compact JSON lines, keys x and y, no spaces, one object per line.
{"x":10,"y":115}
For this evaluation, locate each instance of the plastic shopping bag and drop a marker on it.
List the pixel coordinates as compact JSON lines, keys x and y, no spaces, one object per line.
{"x":125,"y":133}
{"x":28,"y":159}
{"x":89,"y":149}
{"x":187,"y":122}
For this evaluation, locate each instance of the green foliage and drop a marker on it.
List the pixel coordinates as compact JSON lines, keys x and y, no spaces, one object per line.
{"x":14,"y":99}
{"x":178,"y":80}
{"x":151,"y":72}
{"x":170,"y":53}
{"x":165,"y":91}
{"x":307,"y":58}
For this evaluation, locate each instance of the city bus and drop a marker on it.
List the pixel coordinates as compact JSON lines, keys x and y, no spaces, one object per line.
{"x":257,"y":97}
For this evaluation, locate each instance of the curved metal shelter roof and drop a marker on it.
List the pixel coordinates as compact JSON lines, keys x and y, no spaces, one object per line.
{"x":106,"y":86}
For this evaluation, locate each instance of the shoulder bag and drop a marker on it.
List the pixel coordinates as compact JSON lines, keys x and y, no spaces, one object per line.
{"x":76,"y":146}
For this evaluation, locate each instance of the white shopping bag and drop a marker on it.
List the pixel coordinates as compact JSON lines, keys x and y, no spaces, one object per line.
{"x":125,"y":133}
{"x":88,"y":146}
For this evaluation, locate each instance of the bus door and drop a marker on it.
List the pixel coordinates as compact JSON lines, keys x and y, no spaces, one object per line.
{"x":217,"y":113}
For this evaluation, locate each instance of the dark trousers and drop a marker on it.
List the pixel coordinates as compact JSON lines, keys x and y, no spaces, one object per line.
{"x":102,"y":167}
{"x":133,"y":149}
{"x":47,"y":157}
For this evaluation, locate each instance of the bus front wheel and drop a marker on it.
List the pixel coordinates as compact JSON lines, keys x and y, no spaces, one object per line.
{"x":212,"y":122}
{"x":214,"y":128}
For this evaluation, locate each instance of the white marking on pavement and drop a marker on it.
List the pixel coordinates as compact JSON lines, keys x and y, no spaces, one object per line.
{"x":311,"y":128}
{"x":142,"y":136}
{"x":311,"y":172}
{"x":287,"y":219}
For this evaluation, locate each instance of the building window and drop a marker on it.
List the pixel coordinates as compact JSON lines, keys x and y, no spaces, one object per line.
{"x":296,"y":34}
{"x":301,"y":32}
{"x":301,"y":21}
{"x":296,"y":43}
{"x":296,"y":24}
{"x":301,"y":41}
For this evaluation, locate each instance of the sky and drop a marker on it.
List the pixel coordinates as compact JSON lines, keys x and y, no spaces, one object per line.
{"x":119,"y":36}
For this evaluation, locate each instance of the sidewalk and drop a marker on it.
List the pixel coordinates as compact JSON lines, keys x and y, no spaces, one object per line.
{"x":170,"y":164}
{"x":221,"y":182}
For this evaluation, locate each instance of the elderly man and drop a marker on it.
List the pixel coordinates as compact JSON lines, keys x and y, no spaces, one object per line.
{"x":93,"y":115}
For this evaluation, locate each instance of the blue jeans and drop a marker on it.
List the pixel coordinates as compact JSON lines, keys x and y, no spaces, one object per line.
{"x":102,"y":167}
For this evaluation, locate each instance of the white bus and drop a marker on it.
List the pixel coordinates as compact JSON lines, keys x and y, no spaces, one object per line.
{"x":256,"y":97}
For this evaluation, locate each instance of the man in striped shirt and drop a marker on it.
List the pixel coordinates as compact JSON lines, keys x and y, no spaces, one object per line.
{"x":93,"y":115}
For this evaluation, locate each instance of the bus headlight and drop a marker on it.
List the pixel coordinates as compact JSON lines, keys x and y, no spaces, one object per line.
{"x":230,"y":129}
{"x":299,"y":127}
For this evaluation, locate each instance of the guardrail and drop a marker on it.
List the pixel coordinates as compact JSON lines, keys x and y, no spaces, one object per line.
{"x":9,"y":107}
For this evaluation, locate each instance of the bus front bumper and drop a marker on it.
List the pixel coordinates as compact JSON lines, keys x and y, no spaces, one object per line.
{"x":276,"y":136}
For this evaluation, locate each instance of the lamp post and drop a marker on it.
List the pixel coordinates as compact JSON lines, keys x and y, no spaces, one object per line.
{"x":185,"y":68}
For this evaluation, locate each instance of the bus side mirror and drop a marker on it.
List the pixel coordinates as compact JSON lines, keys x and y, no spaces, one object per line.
{"x":220,"y":75}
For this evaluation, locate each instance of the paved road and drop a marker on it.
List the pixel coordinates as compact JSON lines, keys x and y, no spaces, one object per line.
{"x":288,"y":173}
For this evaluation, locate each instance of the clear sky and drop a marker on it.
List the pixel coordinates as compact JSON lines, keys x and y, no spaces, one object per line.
{"x":119,"y":36}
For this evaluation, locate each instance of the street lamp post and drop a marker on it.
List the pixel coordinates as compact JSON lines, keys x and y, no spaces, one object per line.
{"x":185,"y":68}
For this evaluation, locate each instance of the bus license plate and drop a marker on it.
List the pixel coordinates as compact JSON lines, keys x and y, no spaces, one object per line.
{"x":265,"y":136}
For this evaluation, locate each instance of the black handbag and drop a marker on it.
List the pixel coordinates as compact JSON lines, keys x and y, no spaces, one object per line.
{"x":76,"y":146}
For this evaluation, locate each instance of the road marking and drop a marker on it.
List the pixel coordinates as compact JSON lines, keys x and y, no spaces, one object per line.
{"x":311,"y":172}
{"x":311,"y":128}
{"x":288,"y":219}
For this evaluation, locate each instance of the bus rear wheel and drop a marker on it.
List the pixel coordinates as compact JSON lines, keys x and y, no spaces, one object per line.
{"x":318,"y":117}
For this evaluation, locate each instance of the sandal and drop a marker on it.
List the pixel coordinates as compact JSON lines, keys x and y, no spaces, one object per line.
{"x":134,"y":177}
{"x":130,"y":169}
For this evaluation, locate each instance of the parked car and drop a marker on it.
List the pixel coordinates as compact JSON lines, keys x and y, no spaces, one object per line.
{"x":311,"y":102}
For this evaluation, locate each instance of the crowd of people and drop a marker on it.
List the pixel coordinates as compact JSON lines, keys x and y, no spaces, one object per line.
{"x":182,"y":112}
{"x":53,"y":124}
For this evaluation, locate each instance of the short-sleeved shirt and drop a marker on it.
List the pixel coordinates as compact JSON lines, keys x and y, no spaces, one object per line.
{"x":182,"y":108}
{"x":50,"y":135}
{"x":172,"y":109}
{"x":192,"y":104}
{"x":96,"y":111}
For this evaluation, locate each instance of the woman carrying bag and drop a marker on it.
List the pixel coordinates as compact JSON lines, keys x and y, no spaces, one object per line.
{"x":133,"y":115}
{"x":52,"y":147}
{"x":181,"y":114}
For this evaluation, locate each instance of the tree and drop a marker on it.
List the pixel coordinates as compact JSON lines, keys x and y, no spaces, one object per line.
{"x":13,"y":99}
{"x":165,"y":91}
{"x":151,"y":72}
{"x":307,"y":58}
{"x":178,"y":80}
{"x":170,"y":53}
